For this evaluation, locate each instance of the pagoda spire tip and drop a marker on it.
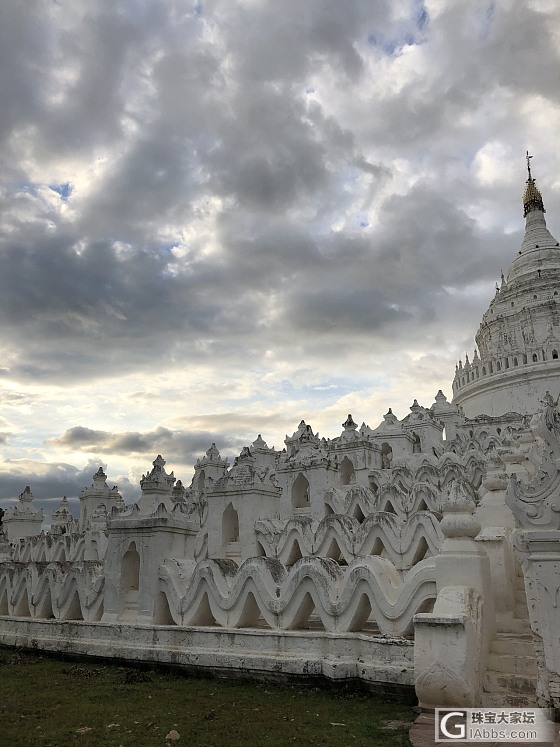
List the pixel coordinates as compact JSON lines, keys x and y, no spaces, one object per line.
{"x":532,"y":198}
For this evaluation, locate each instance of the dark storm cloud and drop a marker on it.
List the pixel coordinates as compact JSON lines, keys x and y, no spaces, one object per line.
{"x":24,"y":72}
{"x":517,"y":45}
{"x":190,"y":105}
{"x":49,"y":482}
{"x":93,"y":312}
{"x":184,"y":446}
{"x":478,"y":52}
{"x":284,"y":41}
{"x":203,"y":184}
{"x":397,"y":278}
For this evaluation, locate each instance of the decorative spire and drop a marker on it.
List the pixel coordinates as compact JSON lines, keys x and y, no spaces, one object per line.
{"x":157,"y":481}
{"x":99,"y":478}
{"x":389,"y":418}
{"x":259,"y":443}
{"x":349,"y":424}
{"x":532,"y":198}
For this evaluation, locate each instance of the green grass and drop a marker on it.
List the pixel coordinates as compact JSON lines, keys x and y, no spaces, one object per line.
{"x":46,"y":701}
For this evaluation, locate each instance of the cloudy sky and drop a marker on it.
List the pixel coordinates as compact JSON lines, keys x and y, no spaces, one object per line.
{"x":219,"y":217}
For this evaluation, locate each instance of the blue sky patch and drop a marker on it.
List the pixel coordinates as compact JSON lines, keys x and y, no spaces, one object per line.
{"x":403,"y":35}
{"x":64,"y":190}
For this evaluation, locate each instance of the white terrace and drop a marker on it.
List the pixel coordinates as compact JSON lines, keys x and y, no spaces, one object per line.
{"x":421,"y":553}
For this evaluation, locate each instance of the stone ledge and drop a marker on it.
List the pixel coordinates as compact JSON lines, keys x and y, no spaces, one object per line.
{"x":372,"y":661}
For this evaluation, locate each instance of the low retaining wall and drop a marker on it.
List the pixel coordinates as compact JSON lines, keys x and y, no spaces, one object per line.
{"x":383,"y":664}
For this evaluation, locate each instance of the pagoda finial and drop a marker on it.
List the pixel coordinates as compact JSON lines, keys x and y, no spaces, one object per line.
{"x":528,"y":157}
{"x":532,"y":198}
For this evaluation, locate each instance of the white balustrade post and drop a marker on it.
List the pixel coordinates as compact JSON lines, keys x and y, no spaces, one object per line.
{"x":452,"y":642}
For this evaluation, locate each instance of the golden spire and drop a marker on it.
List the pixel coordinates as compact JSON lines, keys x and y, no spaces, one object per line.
{"x":532,"y":198}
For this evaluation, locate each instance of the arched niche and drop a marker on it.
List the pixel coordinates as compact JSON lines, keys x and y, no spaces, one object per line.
{"x":201,"y":479}
{"x":130,"y":570}
{"x":386,"y":455}
{"x":300,"y":492}
{"x":347,"y":472}
{"x":230,"y":525}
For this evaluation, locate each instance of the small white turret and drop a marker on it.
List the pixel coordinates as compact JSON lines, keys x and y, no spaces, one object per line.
{"x":99,"y":493}
{"x":23,"y":520}
{"x":62,"y":521}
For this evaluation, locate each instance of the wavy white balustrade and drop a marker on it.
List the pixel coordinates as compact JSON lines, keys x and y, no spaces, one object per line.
{"x":46,"y":548}
{"x":54,"y":591}
{"x":222,"y":593}
{"x":403,"y":492}
{"x":403,"y":541}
